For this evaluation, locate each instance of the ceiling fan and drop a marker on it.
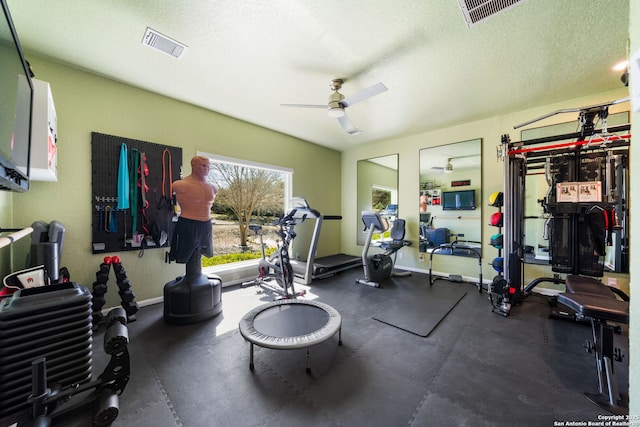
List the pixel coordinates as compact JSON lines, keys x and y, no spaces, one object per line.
{"x":447,"y":168}
{"x":338,"y":103}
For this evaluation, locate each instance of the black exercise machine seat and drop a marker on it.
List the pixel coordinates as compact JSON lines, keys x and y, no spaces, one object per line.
{"x":392,"y":247}
{"x":594,"y":306}
{"x":586,"y":285}
{"x":397,"y":235}
{"x":596,"y":302}
{"x":589,"y":285}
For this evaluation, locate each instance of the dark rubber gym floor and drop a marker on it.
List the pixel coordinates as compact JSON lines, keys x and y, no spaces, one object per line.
{"x":475,"y":368}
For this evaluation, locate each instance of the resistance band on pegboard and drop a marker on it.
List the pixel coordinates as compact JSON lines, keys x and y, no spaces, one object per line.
{"x":124,"y":168}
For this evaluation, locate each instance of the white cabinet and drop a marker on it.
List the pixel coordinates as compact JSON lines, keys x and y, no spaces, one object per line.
{"x":44,"y":134}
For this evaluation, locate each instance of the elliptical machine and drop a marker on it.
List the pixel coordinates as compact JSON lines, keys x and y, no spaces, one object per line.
{"x":379,"y":267}
{"x":275,"y":273}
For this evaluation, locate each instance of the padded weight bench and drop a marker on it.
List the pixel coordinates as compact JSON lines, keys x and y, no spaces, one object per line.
{"x":593,"y":301}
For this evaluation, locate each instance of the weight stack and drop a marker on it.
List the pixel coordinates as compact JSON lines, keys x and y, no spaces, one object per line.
{"x":49,"y":321}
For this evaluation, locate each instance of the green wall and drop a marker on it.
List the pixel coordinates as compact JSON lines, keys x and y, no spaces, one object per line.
{"x":86,"y":102}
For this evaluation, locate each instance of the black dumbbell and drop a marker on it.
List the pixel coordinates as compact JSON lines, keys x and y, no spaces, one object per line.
{"x":123,"y":284}
{"x":99,"y":289}
{"x":127,"y":296}
{"x":130,"y":307}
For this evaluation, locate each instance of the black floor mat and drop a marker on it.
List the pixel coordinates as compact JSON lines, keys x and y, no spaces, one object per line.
{"x":419,"y":308}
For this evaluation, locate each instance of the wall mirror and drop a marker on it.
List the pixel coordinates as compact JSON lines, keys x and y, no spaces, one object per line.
{"x":450,"y":195}
{"x":377,"y":189}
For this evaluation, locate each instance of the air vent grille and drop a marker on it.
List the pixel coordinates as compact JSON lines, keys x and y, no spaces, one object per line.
{"x":163,"y":43}
{"x":475,"y":11}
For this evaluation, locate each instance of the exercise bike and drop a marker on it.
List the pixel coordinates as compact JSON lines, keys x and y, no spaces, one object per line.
{"x":275,"y":274}
{"x":379,"y":267}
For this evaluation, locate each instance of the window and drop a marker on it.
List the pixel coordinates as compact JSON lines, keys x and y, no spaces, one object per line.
{"x":382,"y":197}
{"x":248,"y":193}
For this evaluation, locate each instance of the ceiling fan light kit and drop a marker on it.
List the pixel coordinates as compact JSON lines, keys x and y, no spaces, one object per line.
{"x":449,"y":167}
{"x":336,"y":112}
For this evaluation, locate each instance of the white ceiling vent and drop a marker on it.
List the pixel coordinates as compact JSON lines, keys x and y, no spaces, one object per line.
{"x":476,"y":10}
{"x":158,"y":41}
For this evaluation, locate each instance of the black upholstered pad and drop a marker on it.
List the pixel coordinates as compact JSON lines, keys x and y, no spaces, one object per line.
{"x":587,"y":285}
{"x":595,"y":306}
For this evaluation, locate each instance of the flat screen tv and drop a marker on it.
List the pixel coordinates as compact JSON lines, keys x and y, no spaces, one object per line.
{"x":16,"y":98}
{"x":463,"y":200}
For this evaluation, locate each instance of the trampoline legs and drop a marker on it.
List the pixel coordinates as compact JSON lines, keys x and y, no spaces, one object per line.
{"x":308,"y":368}
{"x":251,"y":366}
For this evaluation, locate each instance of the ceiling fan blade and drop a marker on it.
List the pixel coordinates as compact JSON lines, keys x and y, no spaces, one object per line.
{"x":347,"y":127}
{"x":304,"y":105}
{"x":364,"y":94}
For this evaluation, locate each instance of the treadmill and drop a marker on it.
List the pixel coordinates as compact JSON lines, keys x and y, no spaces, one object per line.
{"x":318,"y":268}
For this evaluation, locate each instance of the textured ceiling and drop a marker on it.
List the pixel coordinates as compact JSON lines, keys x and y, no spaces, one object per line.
{"x":245,"y":58}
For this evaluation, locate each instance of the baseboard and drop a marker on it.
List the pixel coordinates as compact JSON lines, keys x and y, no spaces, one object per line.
{"x":442,"y":275}
{"x":143,"y":303}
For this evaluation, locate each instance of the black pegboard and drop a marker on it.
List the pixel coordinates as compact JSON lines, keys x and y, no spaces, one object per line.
{"x":113,"y":236}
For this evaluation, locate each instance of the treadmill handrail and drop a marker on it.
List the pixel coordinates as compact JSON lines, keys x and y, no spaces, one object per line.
{"x":309,"y":212}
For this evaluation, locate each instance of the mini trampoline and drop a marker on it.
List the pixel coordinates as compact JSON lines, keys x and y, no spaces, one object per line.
{"x":290,"y":324}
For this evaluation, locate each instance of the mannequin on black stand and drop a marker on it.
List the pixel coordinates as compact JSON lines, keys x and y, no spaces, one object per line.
{"x":194,"y":296}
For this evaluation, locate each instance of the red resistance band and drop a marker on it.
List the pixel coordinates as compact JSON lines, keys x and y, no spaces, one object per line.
{"x":569,"y":144}
{"x":143,"y":171}
{"x":609,"y":224}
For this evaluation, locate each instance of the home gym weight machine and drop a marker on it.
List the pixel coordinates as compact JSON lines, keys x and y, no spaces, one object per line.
{"x":578,"y":229}
{"x":379,"y":267}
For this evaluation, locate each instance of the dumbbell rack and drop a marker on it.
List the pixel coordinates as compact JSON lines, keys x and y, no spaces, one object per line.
{"x":127,"y":296}
{"x":499,"y":287}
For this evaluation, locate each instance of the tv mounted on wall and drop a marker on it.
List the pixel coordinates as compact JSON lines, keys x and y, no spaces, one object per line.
{"x":463,"y":200}
{"x":16,"y":99}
